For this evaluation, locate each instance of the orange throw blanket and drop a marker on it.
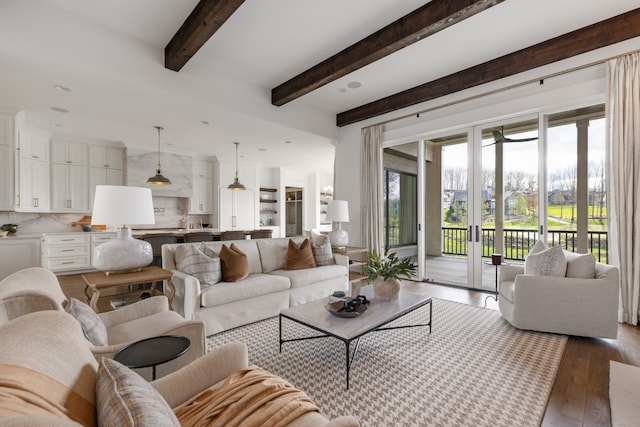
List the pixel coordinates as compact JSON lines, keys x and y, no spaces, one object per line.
{"x":24,"y":391}
{"x":248,"y":397}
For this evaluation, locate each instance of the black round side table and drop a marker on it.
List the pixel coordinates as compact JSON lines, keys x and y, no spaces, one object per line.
{"x":152,"y":352}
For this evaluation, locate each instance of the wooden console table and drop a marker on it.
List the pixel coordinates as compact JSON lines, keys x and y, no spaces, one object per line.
{"x":153,"y":274}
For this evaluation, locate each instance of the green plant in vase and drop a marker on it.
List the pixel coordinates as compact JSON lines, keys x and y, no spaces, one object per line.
{"x":384,"y":273}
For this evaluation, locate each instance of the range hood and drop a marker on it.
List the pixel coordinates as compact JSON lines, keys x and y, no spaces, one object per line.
{"x":178,"y":168}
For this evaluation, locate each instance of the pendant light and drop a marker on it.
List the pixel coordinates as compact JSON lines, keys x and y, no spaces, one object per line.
{"x":159,"y":179}
{"x":236,"y":182}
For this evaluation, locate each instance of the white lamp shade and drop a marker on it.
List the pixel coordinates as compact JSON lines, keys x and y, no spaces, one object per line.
{"x":338,"y":211}
{"x":120,"y":205}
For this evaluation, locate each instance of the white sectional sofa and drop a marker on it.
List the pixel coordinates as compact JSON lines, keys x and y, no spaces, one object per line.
{"x":268,"y":288}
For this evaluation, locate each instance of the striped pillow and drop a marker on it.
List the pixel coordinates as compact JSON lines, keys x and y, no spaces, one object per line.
{"x":124,"y":398}
{"x":203,"y":264}
{"x":92,"y":325}
{"x":321,"y":250}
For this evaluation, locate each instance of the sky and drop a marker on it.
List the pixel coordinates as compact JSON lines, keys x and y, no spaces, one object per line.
{"x":561,"y":150}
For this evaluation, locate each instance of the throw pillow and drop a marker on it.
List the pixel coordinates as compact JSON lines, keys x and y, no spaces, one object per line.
{"x":204,"y":266}
{"x":92,"y":325}
{"x":321,"y":247}
{"x":581,"y":266}
{"x":235,"y":265}
{"x":538,"y":247}
{"x":299,"y":257}
{"x":124,"y":398}
{"x":549,"y":262}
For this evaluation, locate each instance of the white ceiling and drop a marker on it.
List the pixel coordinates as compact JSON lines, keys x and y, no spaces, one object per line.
{"x":110,"y":53}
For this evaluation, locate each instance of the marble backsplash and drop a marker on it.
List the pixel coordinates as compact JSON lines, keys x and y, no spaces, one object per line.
{"x":170,"y":212}
{"x":178,"y":168}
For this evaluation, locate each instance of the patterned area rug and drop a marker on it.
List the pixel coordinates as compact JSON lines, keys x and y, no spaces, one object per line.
{"x":473,"y":370}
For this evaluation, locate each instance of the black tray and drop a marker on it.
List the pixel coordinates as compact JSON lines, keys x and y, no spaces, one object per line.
{"x":334,"y":307}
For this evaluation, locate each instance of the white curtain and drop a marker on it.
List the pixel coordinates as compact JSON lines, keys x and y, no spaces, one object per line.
{"x":623,"y":151}
{"x":371,"y":188}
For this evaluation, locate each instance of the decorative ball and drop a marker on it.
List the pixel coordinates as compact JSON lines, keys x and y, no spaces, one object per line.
{"x":86,"y":228}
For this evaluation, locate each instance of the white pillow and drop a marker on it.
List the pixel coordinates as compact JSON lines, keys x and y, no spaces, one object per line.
{"x":321,"y":247}
{"x":549,"y":262}
{"x":204,"y":266}
{"x":538,"y":247}
{"x":581,"y":266}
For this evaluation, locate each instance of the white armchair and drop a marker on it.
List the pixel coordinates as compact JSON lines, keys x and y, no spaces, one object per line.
{"x":37,"y":289}
{"x":563,"y":305}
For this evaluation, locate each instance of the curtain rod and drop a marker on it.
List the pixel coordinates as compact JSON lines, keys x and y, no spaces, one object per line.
{"x":513,"y":86}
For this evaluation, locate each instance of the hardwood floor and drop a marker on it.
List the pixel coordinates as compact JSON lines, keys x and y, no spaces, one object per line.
{"x":580,"y":393}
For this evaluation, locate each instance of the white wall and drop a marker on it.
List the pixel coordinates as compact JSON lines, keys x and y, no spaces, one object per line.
{"x":489,"y":102}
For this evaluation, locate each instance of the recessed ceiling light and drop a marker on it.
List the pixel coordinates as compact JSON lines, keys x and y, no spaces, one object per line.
{"x":58,"y":125}
{"x":62,"y":88}
{"x":287,"y":142}
{"x":354,"y":85}
{"x":204,"y":122}
{"x":262,"y":149}
{"x":60,"y":109}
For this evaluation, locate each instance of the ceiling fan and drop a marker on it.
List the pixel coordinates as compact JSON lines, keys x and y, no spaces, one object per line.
{"x":498,"y":137}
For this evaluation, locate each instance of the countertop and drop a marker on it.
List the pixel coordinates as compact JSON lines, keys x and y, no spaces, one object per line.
{"x":179,"y":232}
{"x":20,"y":235}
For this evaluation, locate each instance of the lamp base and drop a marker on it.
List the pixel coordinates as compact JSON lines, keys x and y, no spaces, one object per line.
{"x":338,"y":237}
{"x":123,"y":253}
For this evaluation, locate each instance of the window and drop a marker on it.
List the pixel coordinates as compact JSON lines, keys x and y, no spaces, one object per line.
{"x":400,"y":201}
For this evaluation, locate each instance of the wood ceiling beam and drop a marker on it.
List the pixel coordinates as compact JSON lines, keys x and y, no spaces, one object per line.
{"x":601,"y":34}
{"x":205,"y":19}
{"x":427,"y":20}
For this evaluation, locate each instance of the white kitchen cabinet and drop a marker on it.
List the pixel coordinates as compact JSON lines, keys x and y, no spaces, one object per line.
{"x":33,"y":146}
{"x":6,"y":172}
{"x":33,"y":176}
{"x":69,"y":177}
{"x":70,"y":188}
{"x":70,"y":153}
{"x":33,"y":190}
{"x":201,"y":201}
{"x":105,"y":168}
{"x":71,"y":252}
{"x":237,"y":210}
{"x":17,"y":253}
{"x":106,"y":157}
{"x":6,"y":162}
{"x":103,"y":176}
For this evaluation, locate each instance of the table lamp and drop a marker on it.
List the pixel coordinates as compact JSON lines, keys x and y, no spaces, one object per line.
{"x":123,"y":206}
{"x":338,"y":212}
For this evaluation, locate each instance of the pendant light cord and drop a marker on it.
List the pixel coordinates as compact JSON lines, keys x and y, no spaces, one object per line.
{"x":236,"y":159}
{"x":159,"y":129}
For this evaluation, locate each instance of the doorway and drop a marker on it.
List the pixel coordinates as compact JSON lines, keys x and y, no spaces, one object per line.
{"x":479,"y":189}
{"x":294,"y":211}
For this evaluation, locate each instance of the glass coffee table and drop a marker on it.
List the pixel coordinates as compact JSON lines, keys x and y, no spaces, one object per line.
{"x":379,"y":313}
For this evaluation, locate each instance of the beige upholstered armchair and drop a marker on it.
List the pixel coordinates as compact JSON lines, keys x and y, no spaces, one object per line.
{"x":38,"y":289}
{"x":45,"y":358}
{"x":582,"y":306}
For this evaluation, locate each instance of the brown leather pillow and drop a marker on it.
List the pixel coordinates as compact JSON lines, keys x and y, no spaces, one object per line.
{"x":234,"y":262}
{"x":299,"y":257}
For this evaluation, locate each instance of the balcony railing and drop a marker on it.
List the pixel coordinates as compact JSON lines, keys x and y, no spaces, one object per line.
{"x":518,"y":241}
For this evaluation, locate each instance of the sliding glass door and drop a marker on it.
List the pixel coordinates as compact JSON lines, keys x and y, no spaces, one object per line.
{"x":453,"y":200}
{"x":480,"y":191}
